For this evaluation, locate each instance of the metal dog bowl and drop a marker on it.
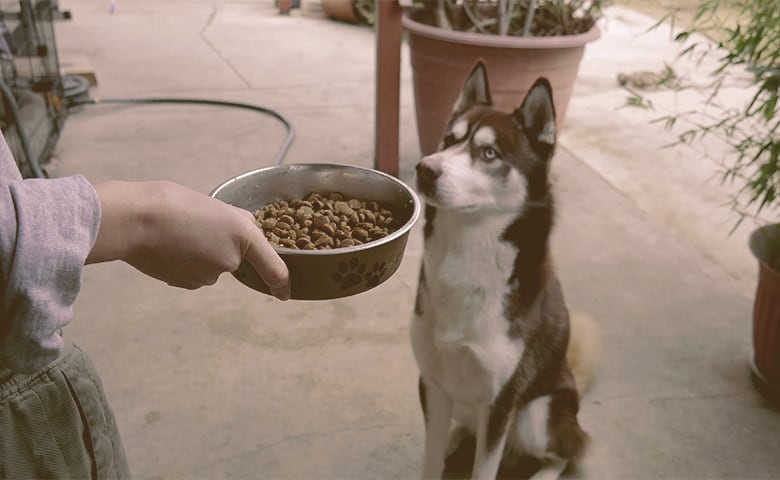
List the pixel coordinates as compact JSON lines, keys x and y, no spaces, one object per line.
{"x":340,"y":272}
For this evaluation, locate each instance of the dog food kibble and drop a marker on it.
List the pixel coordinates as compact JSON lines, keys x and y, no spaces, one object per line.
{"x":324,"y":221}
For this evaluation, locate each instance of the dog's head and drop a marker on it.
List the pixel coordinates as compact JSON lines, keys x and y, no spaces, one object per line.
{"x":490,"y":160}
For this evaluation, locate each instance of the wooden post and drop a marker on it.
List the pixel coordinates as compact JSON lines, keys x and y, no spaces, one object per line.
{"x":388,"y":85}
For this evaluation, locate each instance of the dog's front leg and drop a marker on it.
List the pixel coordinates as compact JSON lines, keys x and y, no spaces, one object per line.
{"x":437,"y":407}
{"x":491,"y":439}
{"x":551,"y":469}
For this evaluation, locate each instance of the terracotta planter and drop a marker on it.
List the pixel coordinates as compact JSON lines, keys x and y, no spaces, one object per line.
{"x":441,"y":60}
{"x":341,"y":10}
{"x":765,"y":245}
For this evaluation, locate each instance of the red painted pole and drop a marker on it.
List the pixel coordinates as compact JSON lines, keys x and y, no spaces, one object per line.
{"x":388,"y":85}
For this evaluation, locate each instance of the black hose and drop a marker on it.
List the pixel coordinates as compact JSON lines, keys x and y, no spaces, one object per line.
{"x":197,"y":101}
{"x":11,"y":101}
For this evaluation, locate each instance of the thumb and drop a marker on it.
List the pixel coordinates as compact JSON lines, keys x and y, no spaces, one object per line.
{"x":269,"y":265}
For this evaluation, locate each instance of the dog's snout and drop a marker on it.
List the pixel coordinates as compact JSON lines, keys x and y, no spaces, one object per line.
{"x":426,"y":173}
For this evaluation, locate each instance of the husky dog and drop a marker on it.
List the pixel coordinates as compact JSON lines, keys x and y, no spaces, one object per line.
{"x":491,"y":331}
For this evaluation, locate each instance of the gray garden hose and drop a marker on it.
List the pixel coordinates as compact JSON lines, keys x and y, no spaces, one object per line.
{"x":73,"y":99}
{"x":197,"y":101}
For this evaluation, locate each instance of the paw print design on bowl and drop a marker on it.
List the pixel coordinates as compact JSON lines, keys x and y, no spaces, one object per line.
{"x":349,"y":273}
{"x":353,"y":272}
{"x":377,"y":273}
{"x":381,"y":271}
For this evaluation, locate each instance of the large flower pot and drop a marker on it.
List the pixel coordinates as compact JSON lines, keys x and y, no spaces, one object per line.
{"x":350,"y":11}
{"x":765,"y":245}
{"x":341,"y":10}
{"x":441,"y":59}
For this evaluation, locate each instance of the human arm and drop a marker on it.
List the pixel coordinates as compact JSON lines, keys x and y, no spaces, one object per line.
{"x":180,"y":236}
{"x":49,"y":229}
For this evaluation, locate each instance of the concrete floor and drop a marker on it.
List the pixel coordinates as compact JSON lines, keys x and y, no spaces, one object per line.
{"x":224,"y":382}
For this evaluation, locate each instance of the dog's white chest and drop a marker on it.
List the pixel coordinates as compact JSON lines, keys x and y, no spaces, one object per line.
{"x":461,"y":340}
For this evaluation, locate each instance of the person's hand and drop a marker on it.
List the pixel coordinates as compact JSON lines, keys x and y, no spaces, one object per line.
{"x":182,"y":237}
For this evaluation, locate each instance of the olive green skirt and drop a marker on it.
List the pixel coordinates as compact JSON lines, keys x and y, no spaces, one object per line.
{"x":56,"y":423}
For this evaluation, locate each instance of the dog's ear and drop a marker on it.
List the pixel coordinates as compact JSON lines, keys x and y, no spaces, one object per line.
{"x":537,"y":114}
{"x":475,"y":89}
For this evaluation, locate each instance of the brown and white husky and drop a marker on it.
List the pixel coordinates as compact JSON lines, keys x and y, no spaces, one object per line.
{"x":491,"y":333}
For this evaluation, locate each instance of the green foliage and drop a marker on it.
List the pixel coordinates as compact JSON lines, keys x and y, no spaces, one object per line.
{"x":755,"y":44}
{"x":748,"y":41}
{"x":512,"y":17}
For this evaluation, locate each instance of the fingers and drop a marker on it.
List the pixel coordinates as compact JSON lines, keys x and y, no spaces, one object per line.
{"x":269,"y":265}
{"x":185,"y":276}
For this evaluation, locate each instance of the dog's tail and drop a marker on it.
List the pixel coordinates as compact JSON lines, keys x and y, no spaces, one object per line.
{"x":584,"y":351}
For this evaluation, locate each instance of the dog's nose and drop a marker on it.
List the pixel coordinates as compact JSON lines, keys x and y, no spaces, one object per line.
{"x":425,"y":173}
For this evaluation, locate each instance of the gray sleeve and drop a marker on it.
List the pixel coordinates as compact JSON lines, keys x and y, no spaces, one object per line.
{"x":47,"y":229}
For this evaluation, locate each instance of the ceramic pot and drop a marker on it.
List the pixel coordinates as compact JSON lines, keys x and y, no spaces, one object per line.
{"x":341,"y":10}
{"x":765,"y":245}
{"x":442,"y":59}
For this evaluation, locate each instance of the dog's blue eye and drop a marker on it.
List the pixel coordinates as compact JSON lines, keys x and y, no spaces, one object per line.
{"x":489,"y":154}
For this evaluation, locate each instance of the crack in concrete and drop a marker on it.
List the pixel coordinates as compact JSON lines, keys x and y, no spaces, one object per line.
{"x":202,"y":35}
{"x":209,"y":20}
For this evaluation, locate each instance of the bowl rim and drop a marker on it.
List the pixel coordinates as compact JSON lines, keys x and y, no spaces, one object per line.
{"x":401,"y":231}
